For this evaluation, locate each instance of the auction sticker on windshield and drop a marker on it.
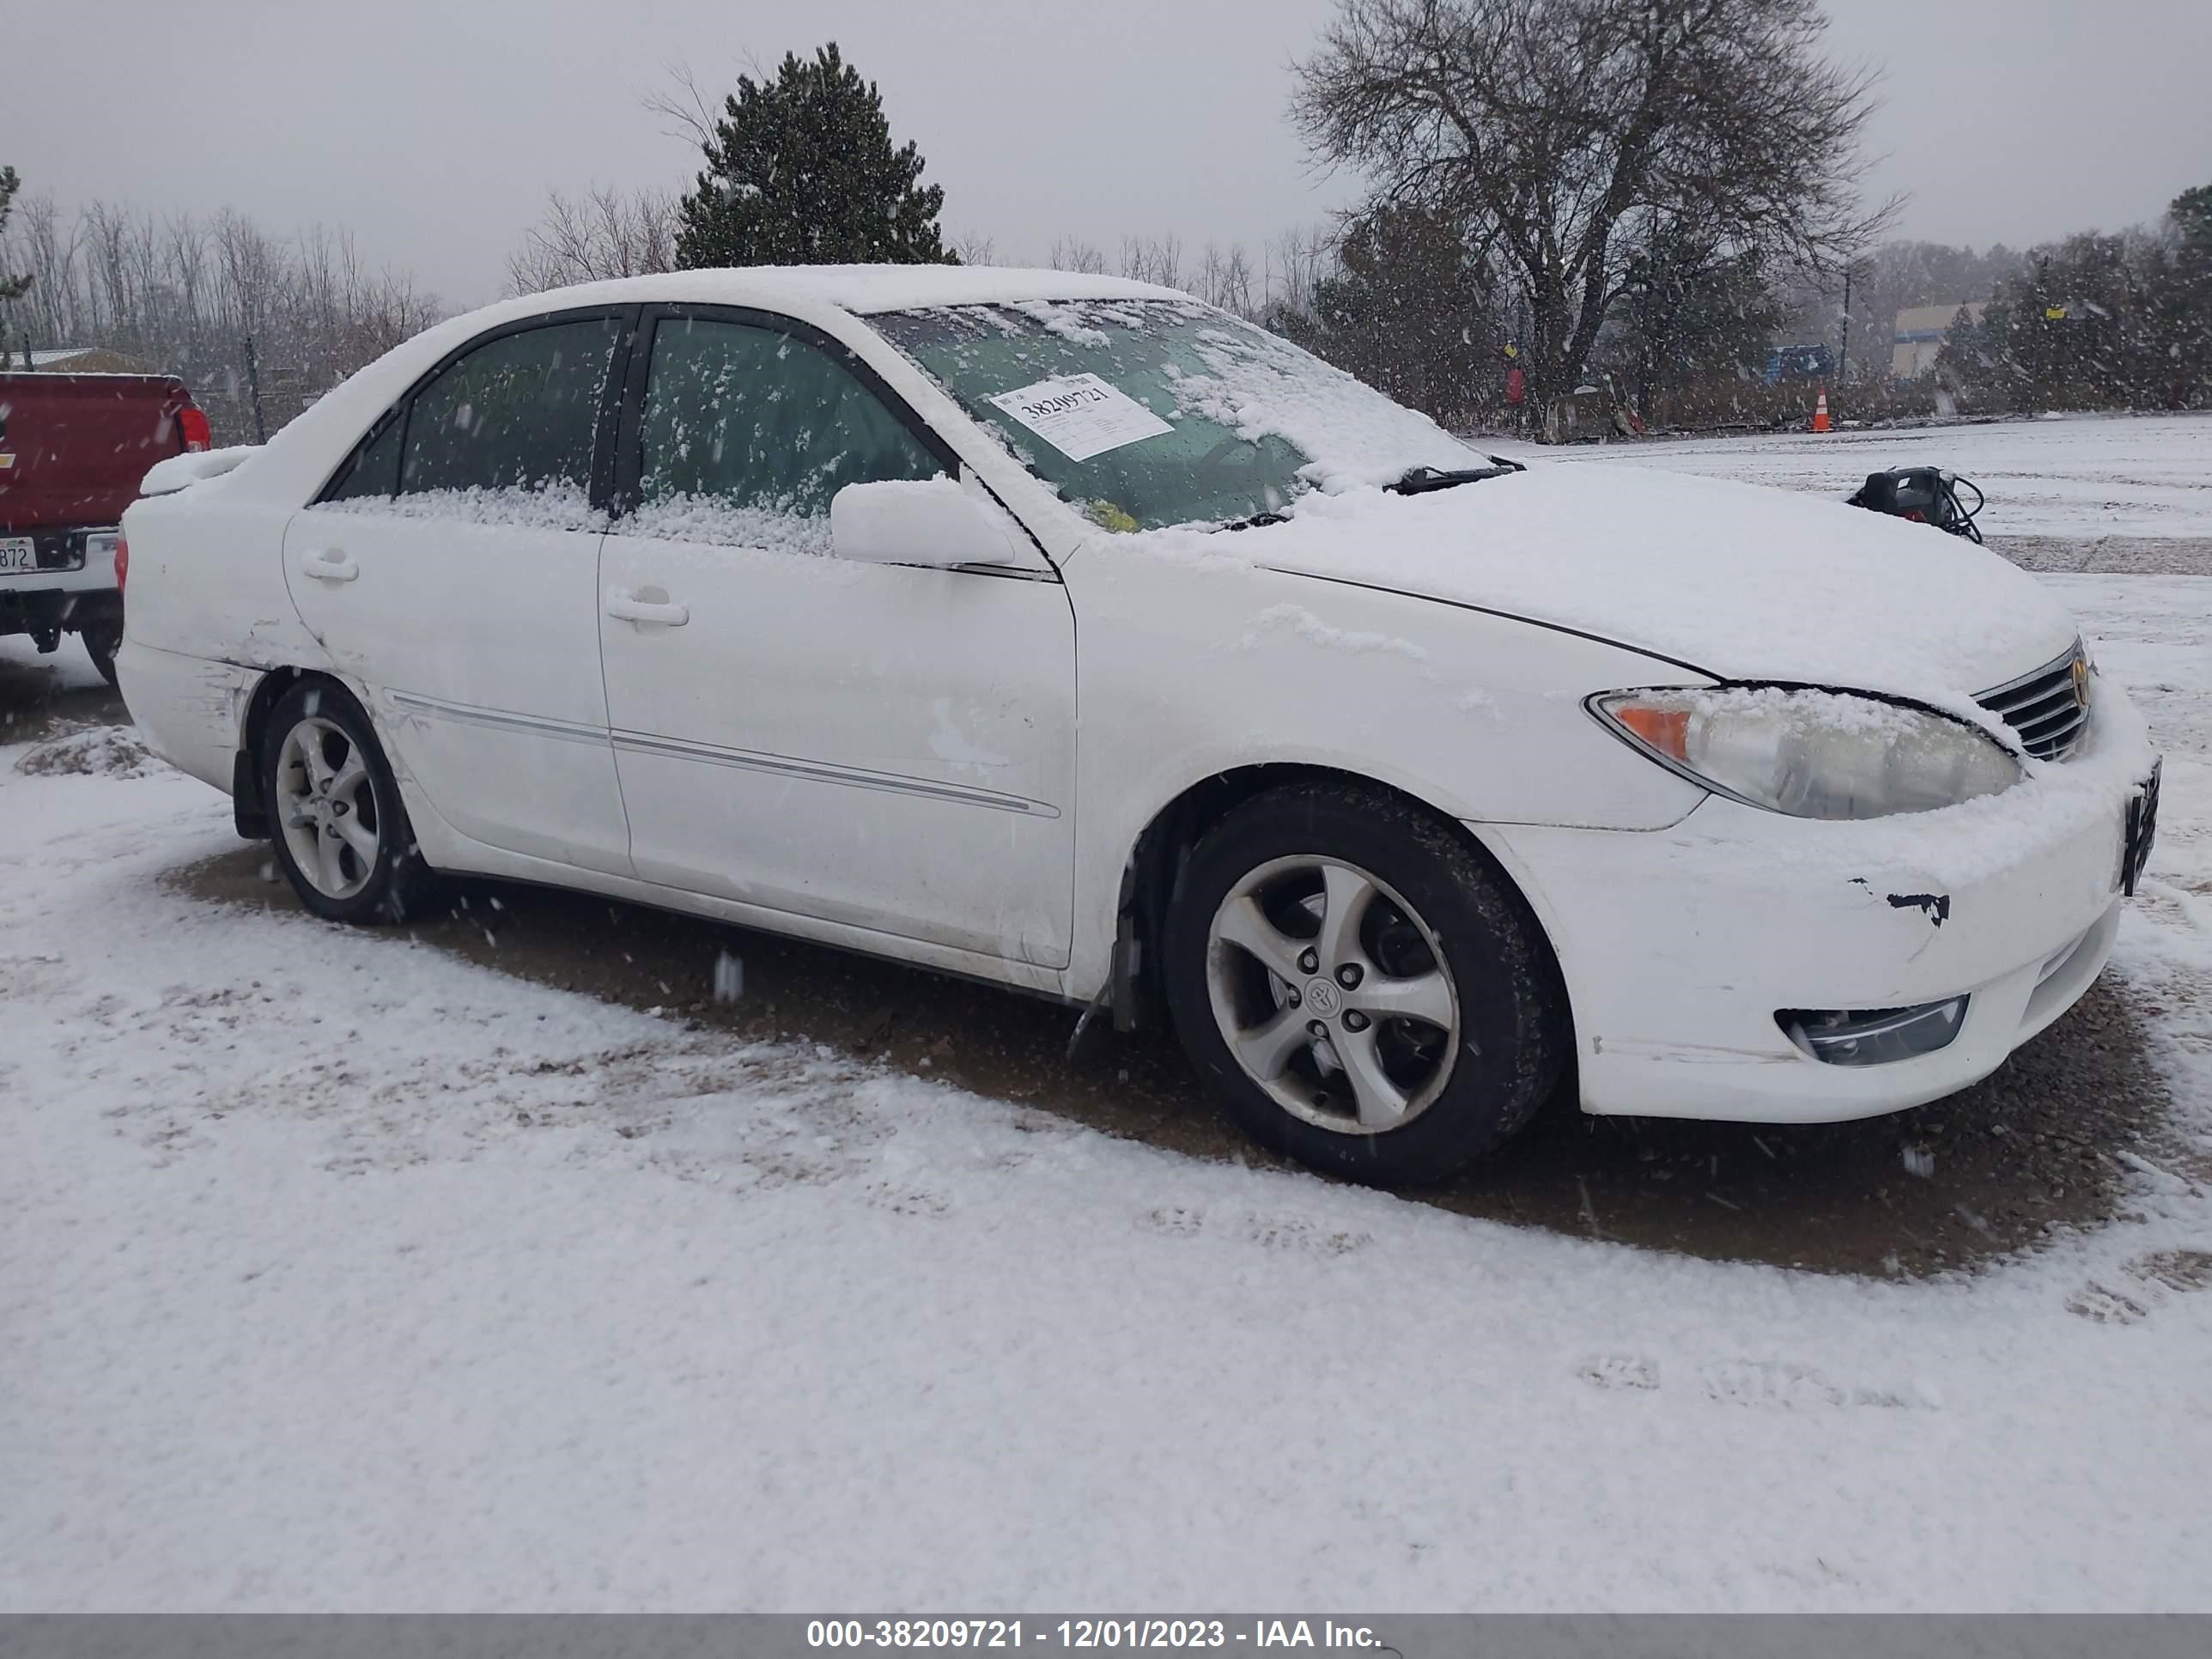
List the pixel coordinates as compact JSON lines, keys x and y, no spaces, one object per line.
{"x":1081,"y":416}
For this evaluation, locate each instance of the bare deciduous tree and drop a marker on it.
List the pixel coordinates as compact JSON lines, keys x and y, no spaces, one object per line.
{"x":974,"y":247}
{"x":183,"y":294}
{"x":1153,"y":259}
{"x":1073,"y":253}
{"x":686,"y":112}
{"x":1296,"y":261}
{"x":1225,"y":279}
{"x":1566,"y":134}
{"x":603,"y":234}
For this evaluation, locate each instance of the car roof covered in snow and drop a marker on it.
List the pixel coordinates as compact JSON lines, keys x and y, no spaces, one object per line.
{"x":831,"y":297}
{"x":861,"y":290}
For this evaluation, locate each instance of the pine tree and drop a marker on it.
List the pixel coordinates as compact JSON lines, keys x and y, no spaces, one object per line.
{"x":1407,"y":311}
{"x":1690,"y":313}
{"x":800,"y":170}
{"x":2188,"y":298}
{"x":11,"y":288}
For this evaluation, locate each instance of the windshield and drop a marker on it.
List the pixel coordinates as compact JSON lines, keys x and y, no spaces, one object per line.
{"x":1148,"y":413}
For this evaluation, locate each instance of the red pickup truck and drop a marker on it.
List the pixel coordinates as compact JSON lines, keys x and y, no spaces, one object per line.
{"x":72,"y":450}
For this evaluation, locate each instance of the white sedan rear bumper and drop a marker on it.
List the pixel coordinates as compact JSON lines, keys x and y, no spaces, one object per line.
{"x":1680,"y":946}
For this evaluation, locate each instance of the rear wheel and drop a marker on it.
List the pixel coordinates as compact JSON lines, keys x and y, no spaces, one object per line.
{"x":1365,"y":991}
{"x":334,"y":813}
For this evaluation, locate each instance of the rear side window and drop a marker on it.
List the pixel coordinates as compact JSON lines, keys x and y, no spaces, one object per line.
{"x":508,"y":431}
{"x":749,"y":432}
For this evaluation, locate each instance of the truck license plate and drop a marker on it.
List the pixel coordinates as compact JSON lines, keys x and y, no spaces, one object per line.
{"x":17,"y":555}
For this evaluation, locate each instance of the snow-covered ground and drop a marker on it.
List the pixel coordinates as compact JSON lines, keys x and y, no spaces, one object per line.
{"x":2080,"y":478}
{"x":337,"y":1273}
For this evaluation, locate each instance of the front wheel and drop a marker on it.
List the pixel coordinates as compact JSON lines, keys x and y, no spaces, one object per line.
{"x":1363,"y":987}
{"x":341,"y":833}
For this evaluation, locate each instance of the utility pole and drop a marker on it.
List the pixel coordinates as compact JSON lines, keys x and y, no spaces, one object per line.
{"x":253,"y":387}
{"x":2039,"y":333}
{"x":1843,"y":359}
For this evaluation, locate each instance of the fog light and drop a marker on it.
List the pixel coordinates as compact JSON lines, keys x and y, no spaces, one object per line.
{"x":1873,"y":1036}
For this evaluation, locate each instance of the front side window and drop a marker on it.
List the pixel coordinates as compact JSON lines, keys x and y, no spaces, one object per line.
{"x":505,"y":434}
{"x":748,"y":432}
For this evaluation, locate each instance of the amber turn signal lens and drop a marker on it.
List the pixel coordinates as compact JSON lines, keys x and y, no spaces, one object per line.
{"x":1666,"y":730}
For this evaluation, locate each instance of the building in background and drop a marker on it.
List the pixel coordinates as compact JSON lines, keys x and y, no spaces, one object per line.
{"x":1919,"y":336}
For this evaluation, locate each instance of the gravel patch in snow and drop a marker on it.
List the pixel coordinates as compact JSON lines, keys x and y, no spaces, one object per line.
{"x":111,"y":751}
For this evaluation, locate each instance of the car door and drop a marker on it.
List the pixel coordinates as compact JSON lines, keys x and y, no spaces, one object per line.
{"x":885,"y":746}
{"x":453,"y":567}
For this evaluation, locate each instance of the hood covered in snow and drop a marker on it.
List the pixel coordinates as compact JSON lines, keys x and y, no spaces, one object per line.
{"x":1739,"y":582}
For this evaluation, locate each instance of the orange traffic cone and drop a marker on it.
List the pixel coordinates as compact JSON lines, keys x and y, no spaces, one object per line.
{"x":1821,"y":411}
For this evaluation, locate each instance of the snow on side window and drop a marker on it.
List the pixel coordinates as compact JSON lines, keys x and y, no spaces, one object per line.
{"x":556,"y":504}
{"x":749,"y":432}
{"x":696,"y":517}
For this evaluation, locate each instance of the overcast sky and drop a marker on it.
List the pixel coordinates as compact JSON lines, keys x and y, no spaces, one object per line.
{"x":432,"y":128}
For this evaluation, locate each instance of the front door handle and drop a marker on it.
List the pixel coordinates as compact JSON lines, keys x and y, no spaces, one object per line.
{"x":329,"y":564}
{"x":646,"y":605}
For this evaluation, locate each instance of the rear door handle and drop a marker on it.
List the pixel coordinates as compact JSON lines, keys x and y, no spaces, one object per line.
{"x":646,"y":605}
{"x":329,"y":564}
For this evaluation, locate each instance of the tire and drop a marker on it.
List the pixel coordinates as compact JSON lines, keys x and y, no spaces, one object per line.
{"x":101,"y":641}
{"x":1356,"y":914}
{"x":334,"y":813}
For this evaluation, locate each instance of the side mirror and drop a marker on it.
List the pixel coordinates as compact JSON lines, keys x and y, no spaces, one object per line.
{"x":897,"y":521}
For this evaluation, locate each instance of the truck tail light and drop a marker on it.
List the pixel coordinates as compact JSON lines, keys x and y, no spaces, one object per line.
{"x":192,"y":422}
{"x":122,"y":565}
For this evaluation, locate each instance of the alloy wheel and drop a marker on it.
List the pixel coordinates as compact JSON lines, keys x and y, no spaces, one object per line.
{"x":327,"y":807}
{"x":1333,"y":995}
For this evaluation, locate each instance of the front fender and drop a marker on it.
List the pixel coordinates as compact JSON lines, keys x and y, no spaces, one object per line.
{"x":1189,"y":669}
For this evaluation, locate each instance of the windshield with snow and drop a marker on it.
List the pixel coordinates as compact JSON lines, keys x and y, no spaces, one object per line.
{"x":1149,"y":413}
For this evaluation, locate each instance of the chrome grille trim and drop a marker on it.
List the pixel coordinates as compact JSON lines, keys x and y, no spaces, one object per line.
{"x":2041,"y":706}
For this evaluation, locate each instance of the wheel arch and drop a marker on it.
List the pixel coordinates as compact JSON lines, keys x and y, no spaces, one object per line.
{"x":249,"y":812}
{"x":1152,"y":870}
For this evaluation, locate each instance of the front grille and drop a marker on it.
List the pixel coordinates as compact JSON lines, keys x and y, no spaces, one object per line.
{"x":2048,"y":707}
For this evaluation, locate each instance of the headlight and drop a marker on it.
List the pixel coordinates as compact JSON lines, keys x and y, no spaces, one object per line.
{"x":1811,"y":754}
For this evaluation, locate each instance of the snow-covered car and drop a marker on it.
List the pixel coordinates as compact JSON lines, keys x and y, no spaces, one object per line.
{"x":1062,"y":632}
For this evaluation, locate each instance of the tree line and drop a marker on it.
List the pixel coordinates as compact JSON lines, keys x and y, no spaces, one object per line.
{"x":1649,"y":196}
{"x":257,"y":324}
{"x":2096,"y":322}
{"x":1580,"y":181}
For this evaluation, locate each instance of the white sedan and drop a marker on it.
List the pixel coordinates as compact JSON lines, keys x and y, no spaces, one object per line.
{"x":1062,"y":632}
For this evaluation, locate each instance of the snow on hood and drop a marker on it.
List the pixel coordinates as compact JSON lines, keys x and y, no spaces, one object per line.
{"x":1739,"y":581}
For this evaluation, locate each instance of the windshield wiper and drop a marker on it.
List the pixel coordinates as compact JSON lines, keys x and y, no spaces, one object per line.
{"x":1418,"y":481}
{"x":1255,"y":521}
{"x":1421,"y":480}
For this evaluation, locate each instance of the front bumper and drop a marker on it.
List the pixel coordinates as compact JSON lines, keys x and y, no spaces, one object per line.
{"x":1680,"y":945}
